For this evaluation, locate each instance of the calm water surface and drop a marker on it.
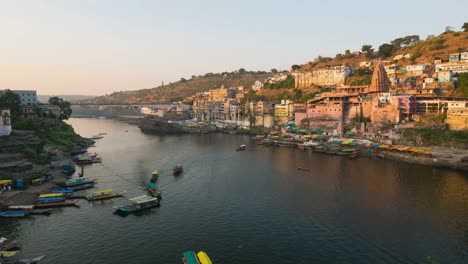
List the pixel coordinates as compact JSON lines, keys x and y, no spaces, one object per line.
{"x":252,"y":206}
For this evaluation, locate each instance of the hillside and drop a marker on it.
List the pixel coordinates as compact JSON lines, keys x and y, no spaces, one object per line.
{"x":69,"y":98}
{"x":183,"y":88}
{"x":436,"y":47}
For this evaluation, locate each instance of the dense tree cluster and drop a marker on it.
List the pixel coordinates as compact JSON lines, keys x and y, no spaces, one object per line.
{"x":9,"y":99}
{"x":65,"y":107}
{"x":283,"y":84}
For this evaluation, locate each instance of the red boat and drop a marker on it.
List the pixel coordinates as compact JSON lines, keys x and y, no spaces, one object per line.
{"x":57,"y":204}
{"x":178,"y":169}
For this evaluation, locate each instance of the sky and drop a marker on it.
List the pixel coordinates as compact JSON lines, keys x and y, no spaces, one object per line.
{"x":96,"y":47}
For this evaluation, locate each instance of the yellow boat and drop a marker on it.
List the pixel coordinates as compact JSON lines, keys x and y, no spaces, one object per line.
{"x":8,"y":254}
{"x":50,"y":195}
{"x":203,"y":258}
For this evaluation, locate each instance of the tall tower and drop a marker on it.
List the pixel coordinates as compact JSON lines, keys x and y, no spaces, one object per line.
{"x":380,"y":81}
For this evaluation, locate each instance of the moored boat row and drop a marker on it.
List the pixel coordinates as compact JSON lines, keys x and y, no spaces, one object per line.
{"x":200,"y":258}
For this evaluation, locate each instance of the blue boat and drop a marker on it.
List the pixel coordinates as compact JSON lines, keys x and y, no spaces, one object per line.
{"x":63,"y":191}
{"x":16,"y":213}
{"x":190,"y":258}
{"x":51,"y":199}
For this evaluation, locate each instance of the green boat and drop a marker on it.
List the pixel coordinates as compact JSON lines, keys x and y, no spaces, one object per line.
{"x":190,"y":258}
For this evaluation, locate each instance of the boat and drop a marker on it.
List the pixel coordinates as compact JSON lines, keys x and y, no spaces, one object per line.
{"x":63,"y":191}
{"x":88,"y":160}
{"x":178,"y":169}
{"x":347,"y":152}
{"x":104,"y":194}
{"x":81,"y":187}
{"x":190,"y":258}
{"x":7,"y":246}
{"x":153,"y":190}
{"x":97,"y":137}
{"x":155,"y":175}
{"x":30,"y":209}
{"x":22,"y":261}
{"x":284,"y":143}
{"x":56,"y":204}
{"x":308,"y":144}
{"x":14,"y":213}
{"x":203,"y":258}
{"x":241,"y":147}
{"x":7,"y":254}
{"x":101,"y":134}
{"x":50,"y":200}
{"x":139,"y":203}
{"x":79,"y":181}
{"x":50,"y":195}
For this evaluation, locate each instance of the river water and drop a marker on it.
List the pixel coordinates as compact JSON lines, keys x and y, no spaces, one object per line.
{"x":252,"y":206}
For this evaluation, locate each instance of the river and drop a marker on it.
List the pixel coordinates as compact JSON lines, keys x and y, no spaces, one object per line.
{"x":252,"y":206}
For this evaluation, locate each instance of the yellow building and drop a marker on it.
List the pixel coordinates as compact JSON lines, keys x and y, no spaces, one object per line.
{"x":218,"y":95}
{"x":281,"y":110}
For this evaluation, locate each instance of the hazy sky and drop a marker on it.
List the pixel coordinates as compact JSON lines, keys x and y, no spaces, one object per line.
{"x":98,"y":46}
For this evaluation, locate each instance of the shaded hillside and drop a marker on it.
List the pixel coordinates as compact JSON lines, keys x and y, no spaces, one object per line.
{"x":434,"y":47}
{"x":183,"y":88}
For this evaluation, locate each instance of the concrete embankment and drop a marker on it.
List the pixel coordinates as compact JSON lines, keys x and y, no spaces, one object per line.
{"x":440,"y":158}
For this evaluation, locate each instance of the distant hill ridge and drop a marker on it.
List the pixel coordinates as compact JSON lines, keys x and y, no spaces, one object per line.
{"x":180,"y":90}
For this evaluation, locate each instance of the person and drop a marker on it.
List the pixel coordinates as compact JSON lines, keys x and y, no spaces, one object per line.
{"x":1,"y":256}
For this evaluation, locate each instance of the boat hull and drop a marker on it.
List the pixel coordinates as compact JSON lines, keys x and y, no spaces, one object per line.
{"x":60,"y":204}
{"x":104,"y":197}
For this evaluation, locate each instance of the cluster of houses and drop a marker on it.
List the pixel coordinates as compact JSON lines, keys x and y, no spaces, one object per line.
{"x":341,"y":105}
{"x":31,"y":108}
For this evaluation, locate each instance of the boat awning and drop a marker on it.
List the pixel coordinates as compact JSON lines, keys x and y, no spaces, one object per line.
{"x":143,"y":199}
{"x":49,"y":195}
{"x":102,"y":191}
{"x":190,"y":257}
{"x":5,"y":181}
{"x":26,"y":207}
{"x":62,"y":191}
{"x":155,"y":172}
{"x":8,"y":254}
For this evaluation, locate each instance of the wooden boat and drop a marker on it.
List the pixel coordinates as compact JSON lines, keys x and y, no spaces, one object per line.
{"x":178,"y":169}
{"x":7,"y":246}
{"x":87,"y":161}
{"x":190,"y":258}
{"x":282,"y":143}
{"x":63,"y":191}
{"x":57,"y":204}
{"x":79,"y":181}
{"x":30,"y":209}
{"x":22,"y":261}
{"x":104,"y":194}
{"x":139,"y":203}
{"x":51,"y":199}
{"x":14,"y":214}
{"x":241,"y":147}
{"x":81,"y":187}
{"x":97,"y":137}
{"x":203,"y":258}
{"x":50,"y":195}
{"x":347,"y":152}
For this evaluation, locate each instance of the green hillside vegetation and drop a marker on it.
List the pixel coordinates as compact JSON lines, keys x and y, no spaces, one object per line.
{"x":421,"y":51}
{"x":180,"y":90}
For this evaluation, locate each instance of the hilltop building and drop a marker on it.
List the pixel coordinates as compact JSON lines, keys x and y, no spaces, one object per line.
{"x":332,"y":75}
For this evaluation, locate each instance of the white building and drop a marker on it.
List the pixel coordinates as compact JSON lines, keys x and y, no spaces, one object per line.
{"x":154,"y":111}
{"x":257,"y":86}
{"x":416,"y":69}
{"x":27,"y":97}
{"x":455,"y":67}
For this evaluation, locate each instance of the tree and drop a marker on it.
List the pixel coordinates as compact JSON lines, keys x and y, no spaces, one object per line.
{"x":339,"y":56}
{"x":295,"y":67}
{"x":463,"y":83}
{"x":347,"y":53}
{"x":448,"y":29}
{"x":386,"y":50}
{"x":194,"y":77}
{"x":65,"y":107}
{"x":241,"y":71}
{"x":368,"y":50}
{"x":274,"y":70}
{"x":12,"y":101}
{"x":465,"y":27}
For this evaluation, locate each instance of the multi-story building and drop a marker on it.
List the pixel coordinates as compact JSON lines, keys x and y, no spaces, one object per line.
{"x":455,"y":67}
{"x":415,"y":70}
{"x":331,"y":75}
{"x":454,"y":57}
{"x":444,"y":76}
{"x":218,"y":95}
{"x":27,"y":97}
